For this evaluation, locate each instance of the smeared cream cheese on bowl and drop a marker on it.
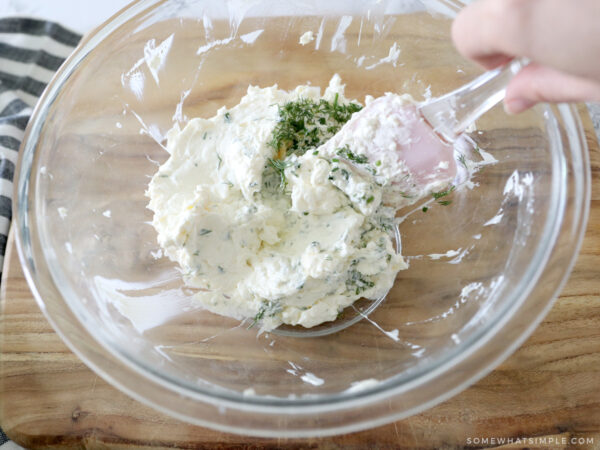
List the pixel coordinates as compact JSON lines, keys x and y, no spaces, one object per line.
{"x":271,"y":219}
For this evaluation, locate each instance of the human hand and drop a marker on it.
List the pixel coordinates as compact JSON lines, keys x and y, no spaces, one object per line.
{"x":561,"y":38}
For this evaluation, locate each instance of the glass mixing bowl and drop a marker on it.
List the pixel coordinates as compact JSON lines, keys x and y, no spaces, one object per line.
{"x":483,"y":270}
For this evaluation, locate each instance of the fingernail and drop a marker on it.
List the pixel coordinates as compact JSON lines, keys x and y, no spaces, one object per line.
{"x":517,"y":105}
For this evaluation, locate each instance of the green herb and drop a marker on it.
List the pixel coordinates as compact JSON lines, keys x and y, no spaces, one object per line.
{"x":463,"y":160}
{"x":346,"y":174}
{"x":425,"y":209}
{"x":477,"y":149}
{"x":358,"y":282}
{"x":438,"y":195}
{"x":221,"y":270}
{"x":378,"y":163}
{"x":300,"y":125}
{"x":335,"y":169}
{"x":204,"y":232}
{"x":279,"y":166}
{"x":220,"y":161}
{"x":335,"y":160}
{"x":316,"y":152}
{"x":370,"y":199}
{"x":268,"y":309}
{"x":305,"y":213}
{"x":204,"y":135}
{"x":258,"y":317}
{"x":340,"y":315}
{"x":445,"y":202}
{"x":227,"y":117}
{"x":345,"y":152}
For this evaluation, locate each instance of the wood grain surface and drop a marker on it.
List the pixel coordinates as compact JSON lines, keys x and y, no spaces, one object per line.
{"x":549,"y":389}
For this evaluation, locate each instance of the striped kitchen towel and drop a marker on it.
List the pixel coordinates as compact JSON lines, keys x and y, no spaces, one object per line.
{"x":30,"y":52}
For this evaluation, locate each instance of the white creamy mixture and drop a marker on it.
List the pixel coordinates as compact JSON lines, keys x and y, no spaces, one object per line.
{"x":281,"y":238}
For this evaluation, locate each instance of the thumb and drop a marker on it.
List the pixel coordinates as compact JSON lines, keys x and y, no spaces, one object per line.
{"x":536,"y":83}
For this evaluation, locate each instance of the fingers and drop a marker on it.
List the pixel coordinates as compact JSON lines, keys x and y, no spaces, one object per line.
{"x":562,"y":38}
{"x":554,"y":33}
{"x":493,"y":31}
{"x":537,"y":83}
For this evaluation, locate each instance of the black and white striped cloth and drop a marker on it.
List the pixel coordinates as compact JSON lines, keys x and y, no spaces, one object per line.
{"x":30,"y":52}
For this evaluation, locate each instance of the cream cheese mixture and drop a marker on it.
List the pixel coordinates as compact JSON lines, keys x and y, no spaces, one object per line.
{"x":271,"y":219}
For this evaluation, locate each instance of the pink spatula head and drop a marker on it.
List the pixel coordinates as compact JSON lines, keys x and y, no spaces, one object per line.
{"x":412,"y":145}
{"x":407,"y":155}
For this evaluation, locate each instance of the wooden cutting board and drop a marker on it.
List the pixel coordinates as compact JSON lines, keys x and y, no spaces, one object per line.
{"x":550,"y":388}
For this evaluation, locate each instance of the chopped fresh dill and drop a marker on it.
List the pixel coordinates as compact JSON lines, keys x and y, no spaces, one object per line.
{"x":306,"y":123}
{"x":316,"y":152}
{"x":220,"y":161}
{"x":227,"y":117}
{"x":279,"y":166}
{"x":425,"y":209}
{"x":204,"y":135}
{"x":477,"y":149}
{"x":370,"y":199}
{"x":258,"y":317}
{"x":267,"y":309}
{"x":204,"y":232}
{"x":345,"y":152}
{"x":358,"y":282}
{"x":438,"y":195}
{"x":345,"y":174}
{"x":445,"y":202}
{"x":463,"y":160}
{"x":378,"y":163}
